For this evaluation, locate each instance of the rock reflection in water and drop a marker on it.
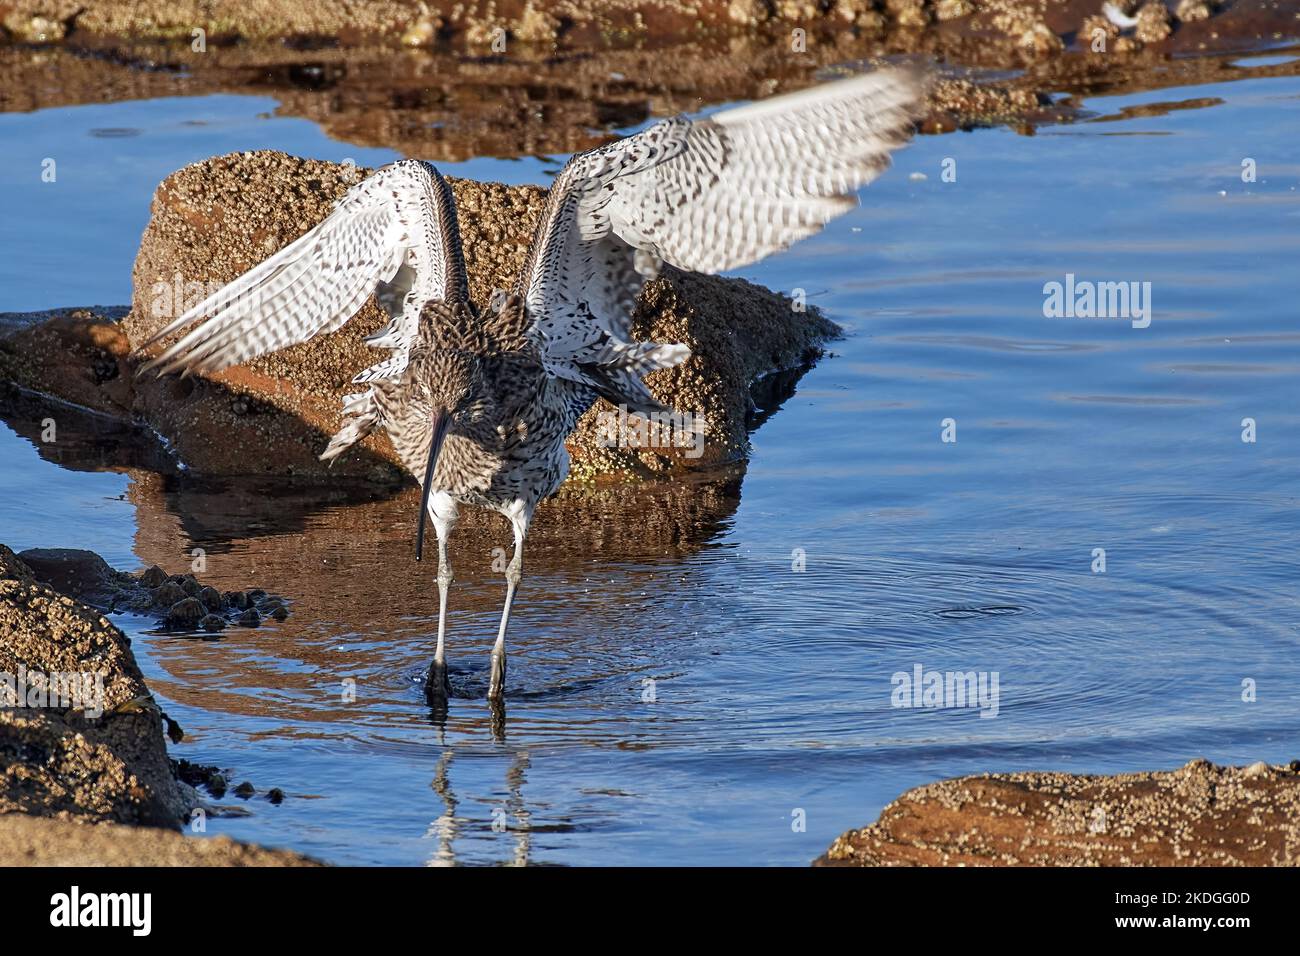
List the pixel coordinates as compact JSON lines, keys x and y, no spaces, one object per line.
{"x":364,"y":611}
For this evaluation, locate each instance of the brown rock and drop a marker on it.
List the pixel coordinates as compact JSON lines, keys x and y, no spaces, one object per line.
{"x":101,"y":758}
{"x":79,"y":356}
{"x":952,"y":9}
{"x":1198,"y":815}
{"x":1040,"y":42}
{"x":36,"y":28}
{"x":28,"y":841}
{"x":1153,"y":24}
{"x":1188,"y":11}
{"x":1097,"y":33}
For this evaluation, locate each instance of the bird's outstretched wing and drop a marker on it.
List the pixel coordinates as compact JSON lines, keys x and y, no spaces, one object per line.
{"x":704,"y":195}
{"x":394,"y":234}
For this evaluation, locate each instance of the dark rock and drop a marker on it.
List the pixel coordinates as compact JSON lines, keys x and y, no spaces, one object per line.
{"x":185,"y":614}
{"x":275,"y":795}
{"x":211,"y":598}
{"x":216,"y":784}
{"x":174,"y":731}
{"x":194,"y":774}
{"x":167,"y":594}
{"x":249,"y":618}
{"x":153,"y":576}
{"x":244,"y":790}
{"x":212,"y":623}
{"x":137,"y":602}
{"x":83,"y":575}
{"x":275,"y":608}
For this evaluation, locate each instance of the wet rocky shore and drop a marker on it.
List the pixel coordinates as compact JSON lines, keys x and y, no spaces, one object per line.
{"x":426,"y":80}
{"x":85,"y":777}
{"x":447,"y":82}
{"x":1198,"y":815}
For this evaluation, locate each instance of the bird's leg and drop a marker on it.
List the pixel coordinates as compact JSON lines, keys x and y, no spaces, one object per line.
{"x":437,"y":682}
{"x":514,"y":573}
{"x":436,"y":686}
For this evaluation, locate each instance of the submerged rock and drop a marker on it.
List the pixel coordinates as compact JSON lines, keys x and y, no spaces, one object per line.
{"x":1198,"y":815}
{"x":153,"y":576}
{"x":211,"y":598}
{"x":185,"y":614}
{"x":80,"y":574}
{"x":168,"y":593}
{"x":180,"y":601}
{"x":215,"y":219}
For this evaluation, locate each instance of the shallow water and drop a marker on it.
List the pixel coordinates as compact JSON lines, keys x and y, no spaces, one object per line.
{"x":772,"y":686}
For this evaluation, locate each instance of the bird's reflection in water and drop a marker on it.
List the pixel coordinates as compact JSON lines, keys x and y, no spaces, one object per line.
{"x":444,"y":828}
{"x":522,"y":829}
{"x":513,"y":818}
{"x":362,"y":609}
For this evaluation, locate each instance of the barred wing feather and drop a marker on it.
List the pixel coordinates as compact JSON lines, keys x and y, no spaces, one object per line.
{"x":394,"y":233}
{"x":703,"y":195}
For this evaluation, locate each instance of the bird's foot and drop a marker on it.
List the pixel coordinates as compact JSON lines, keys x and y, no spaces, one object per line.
{"x":437,"y":687}
{"x":497,"y":685}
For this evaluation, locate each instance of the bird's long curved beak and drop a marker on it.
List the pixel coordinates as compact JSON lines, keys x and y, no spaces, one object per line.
{"x":439,"y":431}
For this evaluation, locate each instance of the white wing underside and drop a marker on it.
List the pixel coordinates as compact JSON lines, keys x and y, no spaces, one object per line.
{"x":703,"y":195}
{"x":394,"y":235}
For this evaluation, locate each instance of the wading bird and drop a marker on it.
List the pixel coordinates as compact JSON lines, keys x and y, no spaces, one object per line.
{"x":478,"y":403}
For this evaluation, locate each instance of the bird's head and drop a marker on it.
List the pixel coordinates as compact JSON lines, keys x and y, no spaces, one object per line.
{"x":446,"y":392}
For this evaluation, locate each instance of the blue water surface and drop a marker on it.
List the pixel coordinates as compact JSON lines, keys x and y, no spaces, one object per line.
{"x":862,"y":544}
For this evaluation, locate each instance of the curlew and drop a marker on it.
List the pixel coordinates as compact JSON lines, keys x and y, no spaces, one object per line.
{"x":478,"y":402}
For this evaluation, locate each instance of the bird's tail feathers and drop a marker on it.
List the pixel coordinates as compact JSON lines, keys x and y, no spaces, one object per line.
{"x":617,"y":376}
{"x":365,"y":419}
